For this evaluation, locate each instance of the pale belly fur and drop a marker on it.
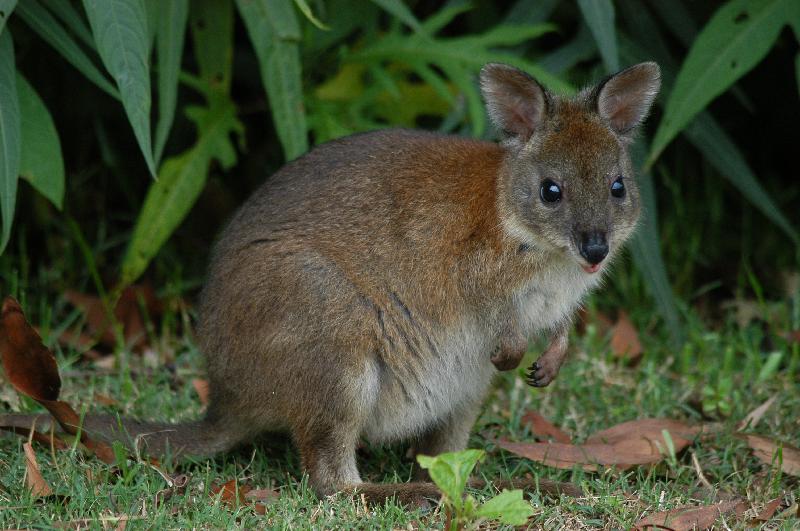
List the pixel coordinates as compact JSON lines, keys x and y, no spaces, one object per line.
{"x":459,"y":376}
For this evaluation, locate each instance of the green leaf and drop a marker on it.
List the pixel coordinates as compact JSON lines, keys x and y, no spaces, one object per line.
{"x":52,"y":32}
{"x":450,"y":471}
{"x":9,"y":137}
{"x":599,"y":16}
{"x":646,"y":250}
{"x":120,"y":33}
{"x":434,"y":23}
{"x":70,"y":16}
{"x":41,"y":162}
{"x":736,"y":38}
{"x":563,"y":58}
{"x":401,"y":11}
{"x":275,"y":34}
{"x":212,"y":36}
{"x":531,"y":11}
{"x":509,"y":507}
{"x":6,"y":7}
{"x":302,"y":5}
{"x":720,"y":151}
{"x":179,"y":183}
{"x":169,"y":43}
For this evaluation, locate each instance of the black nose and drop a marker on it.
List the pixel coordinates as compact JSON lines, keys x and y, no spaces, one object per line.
{"x":593,"y":247}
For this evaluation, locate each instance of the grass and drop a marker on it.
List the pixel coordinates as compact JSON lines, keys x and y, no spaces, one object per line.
{"x":718,"y":375}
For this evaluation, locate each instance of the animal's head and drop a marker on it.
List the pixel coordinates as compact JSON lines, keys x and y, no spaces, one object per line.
{"x":569,"y":184}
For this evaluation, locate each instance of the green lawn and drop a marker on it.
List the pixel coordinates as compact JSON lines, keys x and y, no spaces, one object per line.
{"x":716,"y":376}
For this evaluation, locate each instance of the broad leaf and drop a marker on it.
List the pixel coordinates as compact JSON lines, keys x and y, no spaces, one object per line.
{"x":41,"y":162}
{"x":400,"y":10}
{"x":509,"y":507}
{"x":51,"y":31}
{"x":450,"y":471}
{"x":120,"y":33}
{"x":212,"y":38}
{"x":599,"y":16}
{"x":179,"y":183}
{"x":275,"y":33}
{"x":169,"y":43}
{"x":9,"y":136}
{"x":736,"y":38}
{"x":6,"y":7}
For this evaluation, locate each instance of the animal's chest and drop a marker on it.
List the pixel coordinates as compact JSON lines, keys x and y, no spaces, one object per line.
{"x":550,"y":298}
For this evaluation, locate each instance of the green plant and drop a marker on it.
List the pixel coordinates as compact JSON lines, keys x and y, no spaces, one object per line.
{"x":450,"y":471}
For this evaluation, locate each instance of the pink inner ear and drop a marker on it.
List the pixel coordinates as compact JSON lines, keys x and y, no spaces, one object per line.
{"x":626,"y":97}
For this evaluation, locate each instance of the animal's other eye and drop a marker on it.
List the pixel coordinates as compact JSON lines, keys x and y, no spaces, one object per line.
{"x":550,"y":192}
{"x":618,"y":188}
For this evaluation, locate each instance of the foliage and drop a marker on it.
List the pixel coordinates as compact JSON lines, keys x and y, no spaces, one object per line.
{"x":450,"y":471}
{"x":329,"y":69}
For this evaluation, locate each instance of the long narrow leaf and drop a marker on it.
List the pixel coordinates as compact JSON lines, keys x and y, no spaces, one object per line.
{"x":400,"y":10}
{"x":169,"y":41}
{"x":212,"y":36}
{"x":49,"y":29}
{"x":179,"y":183}
{"x":599,"y":16}
{"x":120,"y":33}
{"x":736,"y":38}
{"x":6,"y":7}
{"x":9,"y":136}
{"x":70,"y":16}
{"x":720,"y":151}
{"x":646,"y":250}
{"x":530,"y":11}
{"x":41,"y":162}
{"x":275,"y":33}
{"x":304,"y":8}
{"x":717,"y":147}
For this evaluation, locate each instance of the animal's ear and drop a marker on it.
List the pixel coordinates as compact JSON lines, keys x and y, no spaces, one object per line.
{"x":516,"y":103}
{"x":625,"y":98}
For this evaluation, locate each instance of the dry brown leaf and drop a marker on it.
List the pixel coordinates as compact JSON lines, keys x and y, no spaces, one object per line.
{"x":105,"y":400}
{"x":637,"y":442}
{"x":755,"y":416}
{"x":127,"y":313}
{"x":651,"y":430}
{"x":687,"y":518}
{"x":765,"y":449}
{"x":769,"y":510}
{"x":201,"y":388}
{"x":625,"y":339}
{"x":31,"y":368}
{"x":29,"y":365}
{"x":599,"y":319}
{"x":33,"y":478}
{"x":544,"y":429}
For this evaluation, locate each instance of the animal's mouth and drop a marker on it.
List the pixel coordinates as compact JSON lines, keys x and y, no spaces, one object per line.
{"x":592,"y":268}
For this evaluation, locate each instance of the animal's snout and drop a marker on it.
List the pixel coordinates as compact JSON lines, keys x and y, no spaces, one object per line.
{"x":593,"y":246}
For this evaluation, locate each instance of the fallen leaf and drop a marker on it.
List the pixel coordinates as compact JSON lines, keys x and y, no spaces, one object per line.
{"x":687,"y":517}
{"x":755,"y":416}
{"x":105,"y":400}
{"x":201,"y":388}
{"x":766,"y":449}
{"x":637,"y":442}
{"x":625,"y":339}
{"x":262,"y":495}
{"x":769,"y":510}
{"x":29,"y":365}
{"x":598,"y":319}
{"x":543,"y":428}
{"x":31,"y":369}
{"x":127,"y":312}
{"x":47,"y":439}
{"x":33,"y":478}
{"x":651,"y":430}
{"x":231,"y":493}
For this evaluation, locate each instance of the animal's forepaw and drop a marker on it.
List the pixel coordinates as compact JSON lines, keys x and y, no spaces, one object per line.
{"x":541,"y":373}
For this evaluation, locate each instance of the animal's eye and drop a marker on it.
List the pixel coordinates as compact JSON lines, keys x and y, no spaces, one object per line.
{"x":550,"y":192}
{"x":618,"y":188}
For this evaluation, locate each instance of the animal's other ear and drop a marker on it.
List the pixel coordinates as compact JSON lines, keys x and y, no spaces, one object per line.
{"x":625,"y":98}
{"x":516,"y":103}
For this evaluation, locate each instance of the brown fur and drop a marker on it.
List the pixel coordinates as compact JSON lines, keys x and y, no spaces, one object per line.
{"x":364,"y":288}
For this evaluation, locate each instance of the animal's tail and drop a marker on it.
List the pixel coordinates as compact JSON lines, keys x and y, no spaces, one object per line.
{"x":204,"y":437}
